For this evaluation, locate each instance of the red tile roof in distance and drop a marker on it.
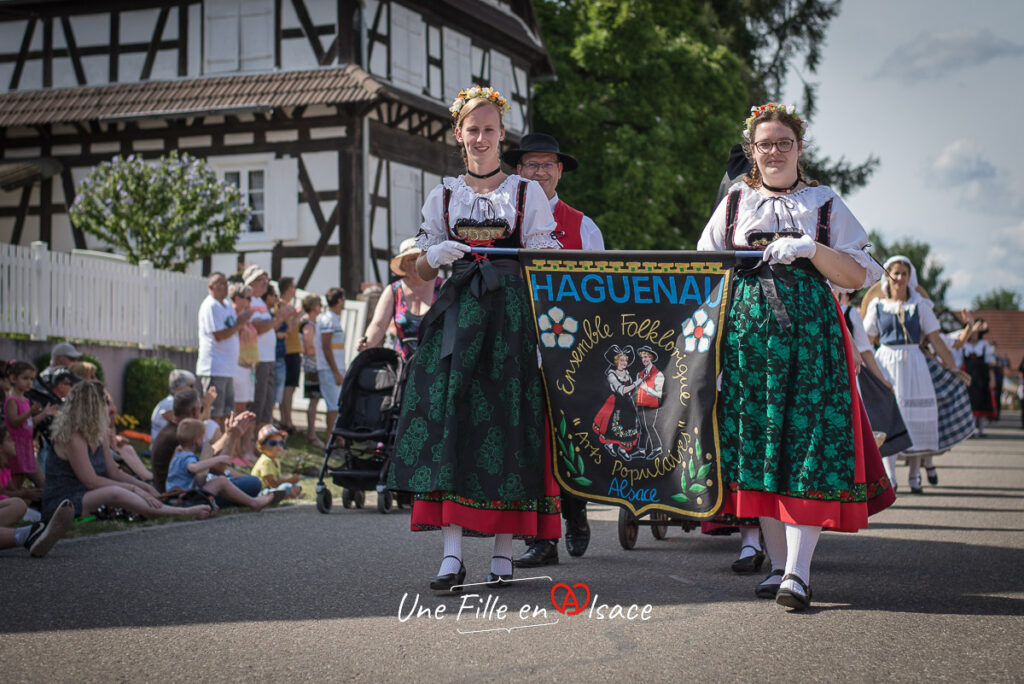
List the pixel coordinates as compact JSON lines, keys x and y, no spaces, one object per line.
{"x":188,"y":96}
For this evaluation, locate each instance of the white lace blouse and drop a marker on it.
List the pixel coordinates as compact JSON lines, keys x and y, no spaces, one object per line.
{"x":759,"y":212}
{"x":538,"y":223}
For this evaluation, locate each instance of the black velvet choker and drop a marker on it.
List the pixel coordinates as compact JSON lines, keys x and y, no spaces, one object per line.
{"x":774,"y":189}
{"x":484,"y":175}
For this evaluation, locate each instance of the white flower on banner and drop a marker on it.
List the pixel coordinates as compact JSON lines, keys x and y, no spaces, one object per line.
{"x":699,"y":331}
{"x":557,"y":329}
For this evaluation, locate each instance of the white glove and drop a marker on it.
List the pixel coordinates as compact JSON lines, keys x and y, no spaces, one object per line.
{"x":444,"y":253}
{"x":787,"y":250}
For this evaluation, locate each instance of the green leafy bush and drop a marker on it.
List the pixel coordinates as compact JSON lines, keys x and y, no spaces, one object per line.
{"x":145,"y":384}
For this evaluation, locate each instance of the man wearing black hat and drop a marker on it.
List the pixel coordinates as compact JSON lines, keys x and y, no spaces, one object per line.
{"x":539,"y":159}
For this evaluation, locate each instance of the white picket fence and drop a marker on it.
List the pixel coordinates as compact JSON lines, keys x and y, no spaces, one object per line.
{"x":100,"y":297}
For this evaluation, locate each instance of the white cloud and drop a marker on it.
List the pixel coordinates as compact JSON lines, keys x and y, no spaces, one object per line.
{"x":975,"y":182}
{"x":959,"y":162}
{"x":938,"y":54}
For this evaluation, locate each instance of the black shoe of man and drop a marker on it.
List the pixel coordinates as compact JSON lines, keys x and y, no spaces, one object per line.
{"x":541,"y":552}
{"x":577,"y":537}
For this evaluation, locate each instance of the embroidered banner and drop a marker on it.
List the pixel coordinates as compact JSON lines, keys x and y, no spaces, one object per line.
{"x":629,"y":343}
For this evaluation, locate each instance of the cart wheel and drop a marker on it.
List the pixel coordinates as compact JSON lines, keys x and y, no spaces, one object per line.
{"x":359,"y":496}
{"x":659,"y":531}
{"x":323,"y":501}
{"x":384,"y":501}
{"x":628,"y":529}
{"x":346,"y":498}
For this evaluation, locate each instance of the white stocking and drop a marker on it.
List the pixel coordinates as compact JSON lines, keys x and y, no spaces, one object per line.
{"x":452,"y":535}
{"x":502,"y":547}
{"x":774,"y":533}
{"x":914,"y":477}
{"x":889,"y":463}
{"x":800,"y":543}
{"x":749,"y":536}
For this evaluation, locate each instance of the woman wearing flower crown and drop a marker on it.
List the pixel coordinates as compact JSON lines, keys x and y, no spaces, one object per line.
{"x":796,"y":448}
{"x":471,"y":433}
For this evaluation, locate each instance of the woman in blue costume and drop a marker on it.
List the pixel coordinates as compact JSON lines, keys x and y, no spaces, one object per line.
{"x":471,"y":435}
{"x":796,"y":448}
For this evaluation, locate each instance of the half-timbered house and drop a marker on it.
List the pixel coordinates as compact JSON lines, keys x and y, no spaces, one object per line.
{"x":330,"y":115}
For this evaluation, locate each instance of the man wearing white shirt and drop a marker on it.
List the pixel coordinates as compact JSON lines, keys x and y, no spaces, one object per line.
{"x":266,"y":324}
{"x":218,"y":346}
{"x":540,"y":159}
{"x":330,"y":352}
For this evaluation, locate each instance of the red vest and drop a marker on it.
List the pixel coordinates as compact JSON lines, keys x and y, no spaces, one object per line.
{"x":643,"y":398}
{"x":568,"y":230}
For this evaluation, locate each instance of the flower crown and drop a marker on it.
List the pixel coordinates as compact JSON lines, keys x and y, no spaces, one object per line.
{"x":476,"y":91}
{"x":770,"y":107}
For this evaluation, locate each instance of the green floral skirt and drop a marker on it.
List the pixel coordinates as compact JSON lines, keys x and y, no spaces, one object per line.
{"x":471,"y":429}
{"x":785,"y":406}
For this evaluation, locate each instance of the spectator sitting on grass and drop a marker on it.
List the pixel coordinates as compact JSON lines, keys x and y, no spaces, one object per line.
{"x":271,"y":443}
{"x":80,"y":467}
{"x":186,"y":405}
{"x":177,"y":380}
{"x":40,"y":537}
{"x":122,"y":450}
{"x":188,"y":471}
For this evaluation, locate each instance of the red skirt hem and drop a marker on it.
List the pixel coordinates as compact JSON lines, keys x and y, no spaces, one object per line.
{"x":433,"y":514}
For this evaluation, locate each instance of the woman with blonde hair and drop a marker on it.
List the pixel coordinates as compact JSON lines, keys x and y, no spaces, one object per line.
{"x":471,"y":436}
{"x":80,"y":467}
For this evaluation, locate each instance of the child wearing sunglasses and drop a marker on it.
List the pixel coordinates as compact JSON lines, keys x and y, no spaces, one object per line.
{"x":271,"y":442}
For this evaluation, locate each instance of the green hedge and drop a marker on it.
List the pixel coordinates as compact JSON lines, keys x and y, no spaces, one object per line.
{"x":145,"y":384}
{"x":43,"y":361}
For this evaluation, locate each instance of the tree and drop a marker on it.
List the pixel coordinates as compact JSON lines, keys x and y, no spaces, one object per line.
{"x":999,"y":298}
{"x":929,"y":272}
{"x":770,"y":36}
{"x":648,"y":101}
{"x":650,"y":96}
{"x":171,"y":212}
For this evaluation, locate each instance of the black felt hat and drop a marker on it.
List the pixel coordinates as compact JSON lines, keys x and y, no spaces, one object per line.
{"x":539,"y":142}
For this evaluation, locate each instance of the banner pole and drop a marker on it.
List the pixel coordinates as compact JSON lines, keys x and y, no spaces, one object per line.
{"x":513,"y":251}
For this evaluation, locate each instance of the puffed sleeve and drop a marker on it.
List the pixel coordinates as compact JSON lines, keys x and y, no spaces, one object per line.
{"x":849,"y":237}
{"x":538,"y":223}
{"x":432,"y":229}
{"x":929,"y":323}
{"x":713,"y":237}
{"x":871,"y":319}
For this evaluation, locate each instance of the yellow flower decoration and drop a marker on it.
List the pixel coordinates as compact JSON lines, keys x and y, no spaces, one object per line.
{"x":474,"y":92}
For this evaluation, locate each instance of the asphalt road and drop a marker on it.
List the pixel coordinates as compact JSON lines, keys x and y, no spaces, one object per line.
{"x":933,"y":591}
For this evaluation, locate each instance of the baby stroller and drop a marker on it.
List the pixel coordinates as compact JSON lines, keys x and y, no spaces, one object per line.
{"x":363,"y":436}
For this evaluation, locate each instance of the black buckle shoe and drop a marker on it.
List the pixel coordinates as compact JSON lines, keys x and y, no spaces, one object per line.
{"x":577,"y":537}
{"x":793,"y":599}
{"x":749,"y":564}
{"x":495,"y":580}
{"x":541,"y":552}
{"x":933,"y":475}
{"x":452,"y":581}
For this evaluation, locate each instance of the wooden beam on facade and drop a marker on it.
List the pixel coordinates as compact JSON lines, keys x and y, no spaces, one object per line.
{"x":26,"y":41}
{"x":183,"y":39}
{"x":158,"y":34}
{"x":69,"y":198}
{"x":307,"y":27}
{"x":414,"y":150}
{"x":76,"y":56}
{"x":19,"y":220}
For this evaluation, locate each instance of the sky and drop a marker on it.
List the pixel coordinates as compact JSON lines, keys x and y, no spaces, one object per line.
{"x":936,"y":91}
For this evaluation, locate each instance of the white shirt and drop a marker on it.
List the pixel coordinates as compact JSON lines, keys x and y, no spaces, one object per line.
{"x":923,"y":307}
{"x":796,"y":212}
{"x":217,"y":359}
{"x":980,"y":348}
{"x":538,"y":223}
{"x":267,"y":342}
{"x":859,"y":335}
{"x":330,"y":322}
{"x":157,"y":421}
{"x":957,"y":354}
{"x":590,"y":234}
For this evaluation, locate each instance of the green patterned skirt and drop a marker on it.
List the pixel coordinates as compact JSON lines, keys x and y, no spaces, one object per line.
{"x":471,"y":425}
{"x":785,"y":406}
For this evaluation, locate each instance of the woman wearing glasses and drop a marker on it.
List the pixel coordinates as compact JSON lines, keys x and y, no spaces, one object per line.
{"x":793,"y":441}
{"x":470,"y":438}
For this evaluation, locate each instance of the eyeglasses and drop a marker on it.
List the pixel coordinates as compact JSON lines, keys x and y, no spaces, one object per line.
{"x":784,"y":145}
{"x":534,"y":167}
{"x":275,"y":442}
